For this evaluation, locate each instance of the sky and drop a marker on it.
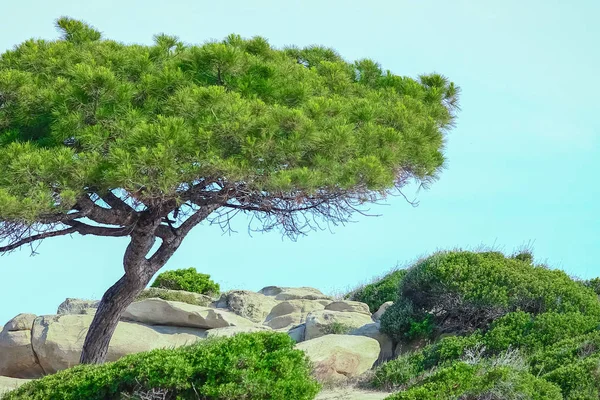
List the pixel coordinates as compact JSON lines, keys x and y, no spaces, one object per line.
{"x":522,"y":162}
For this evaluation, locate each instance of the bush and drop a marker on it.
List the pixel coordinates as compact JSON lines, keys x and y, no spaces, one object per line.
{"x":377,"y":293}
{"x":246,"y":366}
{"x":478,"y":382}
{"x":470,"y":290}
{"x":594,"y":284}
{"x":565,"y":352}
{"x":187,"y":279}
{"x":173,"y":295}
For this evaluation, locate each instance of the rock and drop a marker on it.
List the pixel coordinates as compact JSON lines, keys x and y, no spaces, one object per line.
{"x":350,"y":394}
{"x":229,"y":331}
{"x":301,"y":293}
{"x":349,"y":306}
{"x":319,"y":323}
{"x":58,"y":339}
{"x":291,"y":312}
{"x":382,"y":308}
{"x":339,"y":357}
{"x":17,"y":358}
{"x":247,"y":304}
{"x":175,"y":295}
{"x":77,"y":306}
{"x":297,"y":333}
{"x":385,"y":343}
{"x":7,"y":384}
{"x":175,"y":313}
{"x":22,"y":322}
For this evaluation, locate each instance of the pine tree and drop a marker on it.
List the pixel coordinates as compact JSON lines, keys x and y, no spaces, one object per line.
{"x":103,"y":138}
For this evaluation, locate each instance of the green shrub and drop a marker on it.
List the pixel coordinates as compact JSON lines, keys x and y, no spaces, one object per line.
{"x":594,"y":284}
{"x":469,"y":290}
{"x":187,"y":279}
{"x":578,"y":380}
{"x":337,"y":328}
{"x":246,"y":366}
{"x":565,"y":352}
{"x":480,"y":381}
{"x":173,"y":295}
{"x":401,"y":322}
{"x":382,"y":291}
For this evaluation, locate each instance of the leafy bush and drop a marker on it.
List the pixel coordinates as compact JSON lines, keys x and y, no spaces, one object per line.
{"x":578,"y":380}
{"x":246,"y":366}
{"x":469,"y":290}
{"x":379,"y":292}
{"x":187,"y":279}
{"x":480,"y":381}
{"x":594,"y":284}
{"x":173,"y":295}
{"x":337,"y":328}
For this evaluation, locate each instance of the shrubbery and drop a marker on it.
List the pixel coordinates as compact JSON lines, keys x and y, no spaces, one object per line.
{"x":379,"y":292}
{"x":253,"y":366}
{"x":173,"y":295}
{"x":187,"y":279}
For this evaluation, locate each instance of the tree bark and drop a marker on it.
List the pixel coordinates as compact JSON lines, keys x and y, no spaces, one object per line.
{"x":111,"y":307}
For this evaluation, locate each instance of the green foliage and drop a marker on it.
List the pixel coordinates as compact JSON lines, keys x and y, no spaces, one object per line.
{"x":594,"y":284}
{"x":173,"y":295}
{"x":379,"y":292}
{"x":85,"y":115}
{"x":480,"y":381}
{"x":186,"y":279}
{"x":337,"y":328}
{"x":246,"y":366}
{"x":469,"y":290}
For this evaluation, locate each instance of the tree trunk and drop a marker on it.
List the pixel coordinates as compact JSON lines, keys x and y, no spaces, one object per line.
{"x":111,"y":307}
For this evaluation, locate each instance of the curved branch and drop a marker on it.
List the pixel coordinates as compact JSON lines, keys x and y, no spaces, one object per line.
{"x":41,"y":236}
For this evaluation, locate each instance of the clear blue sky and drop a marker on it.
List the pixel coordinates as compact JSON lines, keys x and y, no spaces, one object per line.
{"x":523,"y":161}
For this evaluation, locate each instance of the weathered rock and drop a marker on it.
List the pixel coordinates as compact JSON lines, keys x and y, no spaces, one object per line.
{"x":175,"y":313}
{"x":286,"y":293}
{"x":385,"y":343}
{"x":17,"y":358}
{"x":297,"y":333}
{"x":349,"y":306}
{"x":234,"y":330}
{"x":247,"y":304}
{"x":58,"y":339}
{"x":175,"y":295}
{"x":382,"y":308}
{"x":77,"y":306}
{"x":319,"y":323}
{"x":350,"y":394}
{"x":22,"y":322}
{"x":339,"y":357}
{"x":7,"y":384}
{"x":291,"y":312}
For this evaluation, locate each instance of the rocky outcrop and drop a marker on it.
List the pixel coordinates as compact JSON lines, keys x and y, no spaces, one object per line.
{"x":349,"y":306}
{"x":382,"y":308}
{"x":247,"y":304}
{"x":339,"y":357}
{"x":385,"y":343}
{"x":7,"y":384}
{"x":292,"y":312}
{"x":17,"y":358}
{"x":174,"y":313}
{"x":58,"y":339}
{"x":175,"y":295}
{"x":319,"y":323}
{"x":287,"y":293}
{"x":234,"y":330}
{"x":77,"y":306}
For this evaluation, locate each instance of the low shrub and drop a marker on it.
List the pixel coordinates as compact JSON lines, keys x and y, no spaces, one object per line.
{"x":465,"y":291}
{"x":337,"y":328}
{"x":189,"y":280}
{"x":254,"y":366}
{"x":173,"y":295}
{"x":578,"y":380}
{"x":565,"y":352}
{"x":379,"y":292}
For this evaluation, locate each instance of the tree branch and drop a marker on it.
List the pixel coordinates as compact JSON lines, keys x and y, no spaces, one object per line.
{"x":41,"y":236}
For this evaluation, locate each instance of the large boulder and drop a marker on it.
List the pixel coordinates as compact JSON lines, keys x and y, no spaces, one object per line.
{"x":292,"y":312}
{"x":58,"y":339}
{"x":77,"y":306}
{"x":196,"y":299}
{"x":297,"y":333}
{"x":17,"y":358}
{"x":320,"y":323}
{"x":175,"y":313}
{"x":247,"y":304}
{"x":287,"y":293}
{"x":7,"y":384}
{"x":339,"y":357}
{"x":385,"y":343}
{"x":349,"y":306}
{"x":382,"y":309}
